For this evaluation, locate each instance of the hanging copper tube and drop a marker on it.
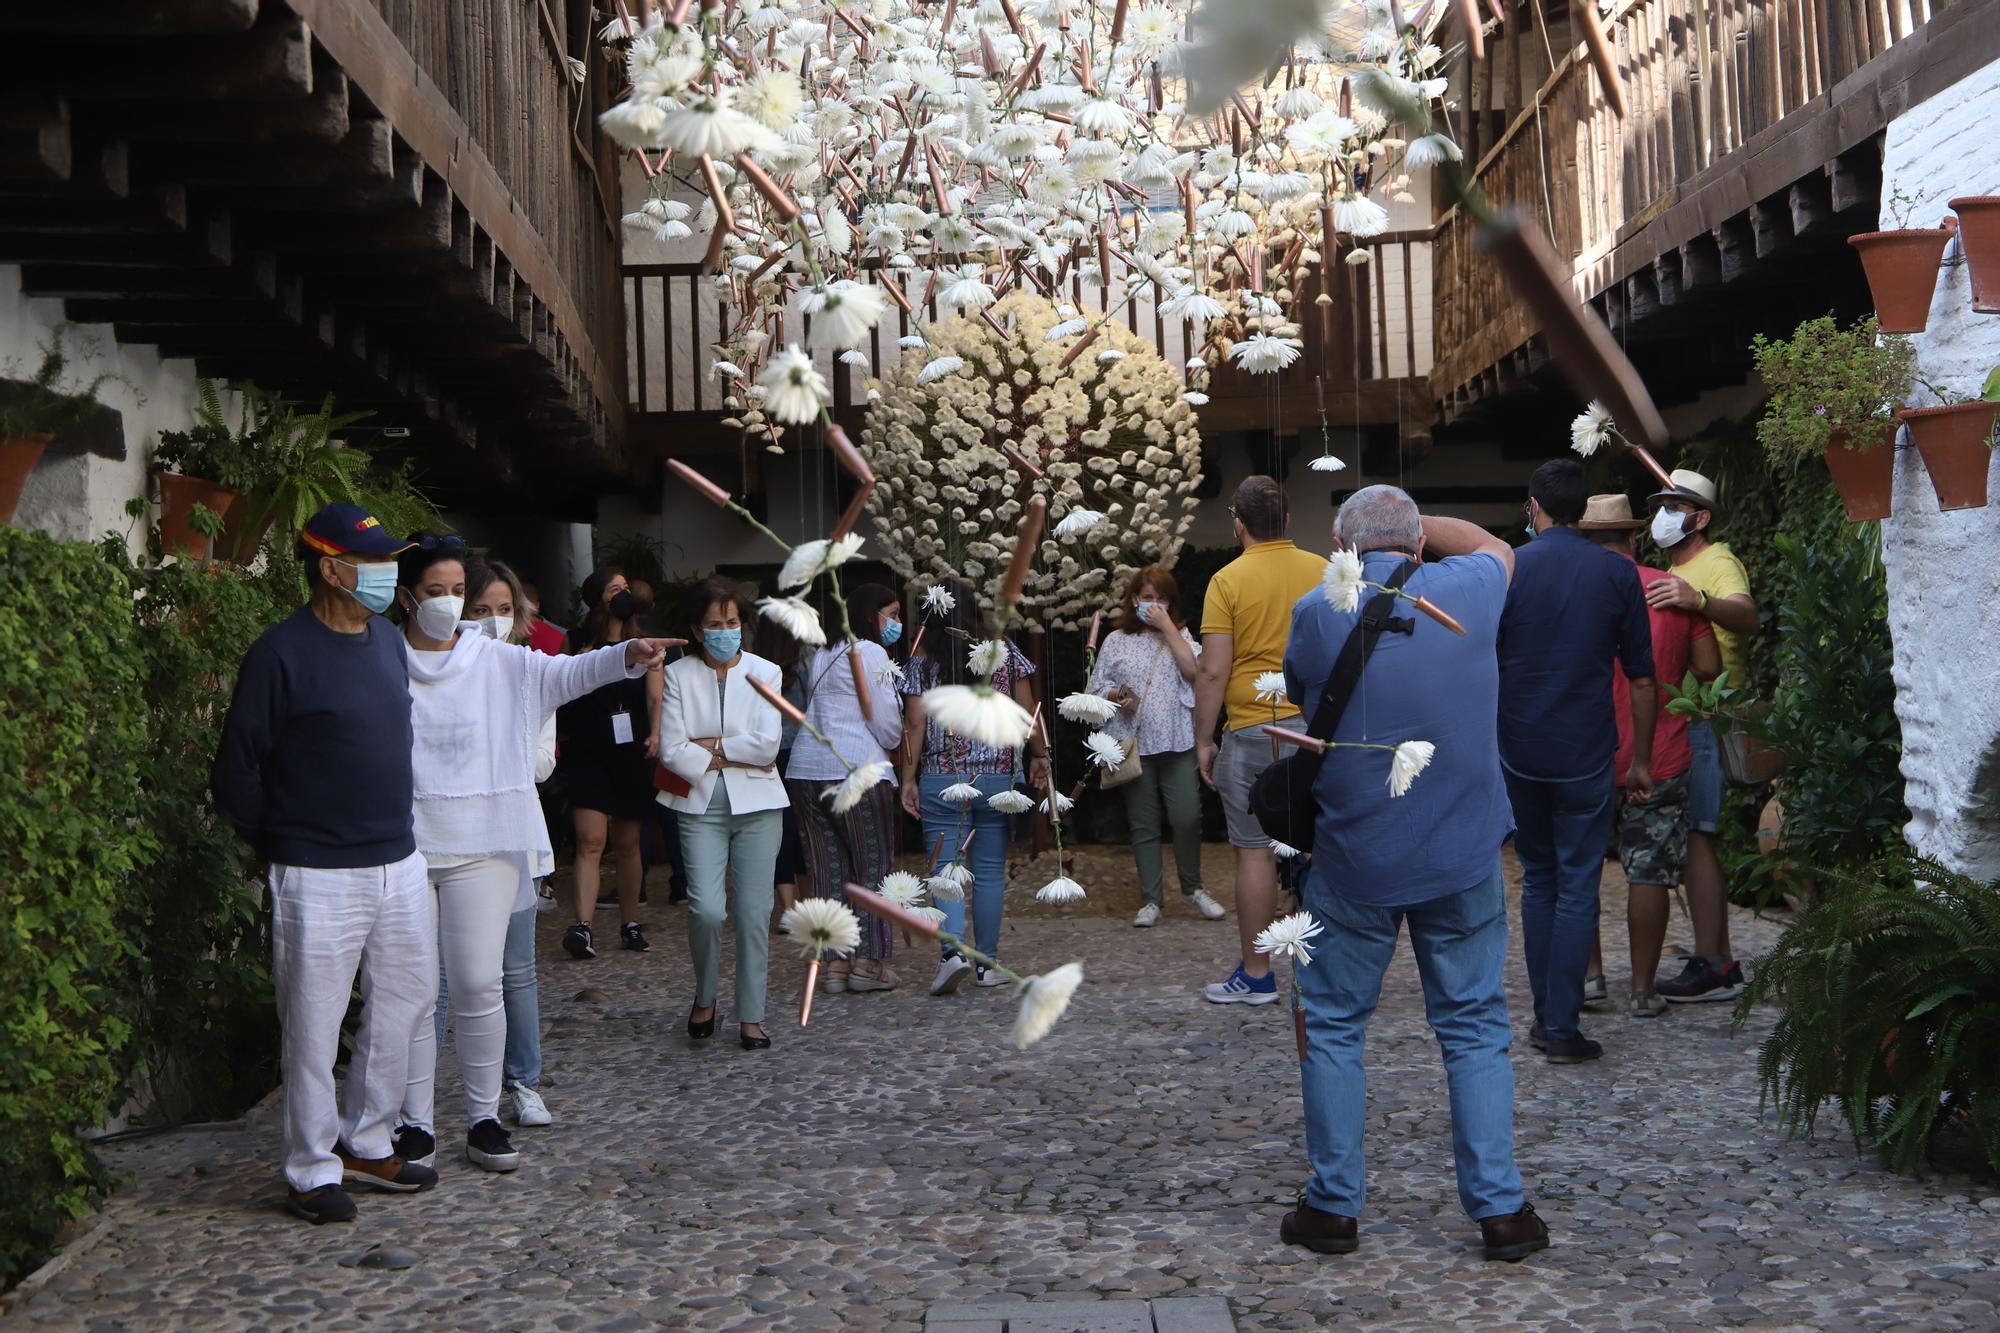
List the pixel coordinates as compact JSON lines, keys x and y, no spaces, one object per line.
{"x":1028,"y":70}
{"x":1118,"y":21}
{"x":1024,"y":549}
{"x":888,"y":284}
{"x":852,"y":514}
{"x":861,"y":691}
{"x":1601,"y":57}
{"x":1096,"y":620}
{"x":849,"y":457}
{"x":1156,"y":94}
{"x":770,"y":262}
{"x":812,"y":984}
{"x":1022,"y":461}
{"x":707,"y":489}
{"x":1013,"y":18}
{"x":1475,"y":35}
{"x":937,"y":179}
{"x":909,"y":154}
{"x":674,"y":15}
{"x":993,"y":323}
{"x":1431,"y":609}
{"x":1076,"y":348}
{"x":989,"y":59}
{"x":775,"y":699}
{"x":937,"y":854}
{"x":876,"y":905}
{"x":781,"y":203}
{"x":1286,"y":736}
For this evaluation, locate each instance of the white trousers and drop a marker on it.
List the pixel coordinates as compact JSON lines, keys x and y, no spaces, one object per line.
{"x":327,"y":927}
{"x":475,"y":901}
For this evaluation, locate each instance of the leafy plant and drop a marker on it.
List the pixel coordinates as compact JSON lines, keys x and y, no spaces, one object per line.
{"x":1890,"y":980}
{"x":1825,"y":381}
{"x":292,"y":467}
{"x":392,"y":494}
{"x":47,"y":402}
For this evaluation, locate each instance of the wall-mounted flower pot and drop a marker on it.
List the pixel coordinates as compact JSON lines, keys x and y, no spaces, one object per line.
{"x":178,"y":497}
{"x":18,"y":456}
{"x":1954,"y":442}
{"x":240,"y":540}
{"x":1902,"y":268}
{"x":1979,"y":235}
{"x":1865,"y":477}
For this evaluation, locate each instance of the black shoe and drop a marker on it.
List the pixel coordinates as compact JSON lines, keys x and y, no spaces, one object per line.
{"x":635,"y":939}
{"x":1538,"y":1036}
{"x":1319,"y":1231}
{"x":703,"y":1030}
{"x":1572,"y":1051}
{"x":576,"y":941}
{"x":488,"y":1146}
{"x":751,"y":1043}
{"x":677,"y":892}
{"x":1700,"y":982}
{"x":607,"y":904}
{"x":414,"y":1145}
{"x":328,"y":1203}
{"x":1514,"y":1235}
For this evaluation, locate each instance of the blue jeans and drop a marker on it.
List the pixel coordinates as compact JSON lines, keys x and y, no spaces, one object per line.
{"x":986,"y":858}
{"x":520,"y":997}
{"x":1561,"y":831}
{"x":1704,"y":780}
{"x":1460,"y":942}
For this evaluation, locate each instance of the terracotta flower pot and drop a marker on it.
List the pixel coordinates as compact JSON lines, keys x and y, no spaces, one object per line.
{"x":239,"y":541}
{"x":1954,"y":442}
{"x":1865,"y":477}
{"x":178,"y":497}
{"x":1902,"y":269}
{"x":1979,"y":234}
{"x":18,"y":456}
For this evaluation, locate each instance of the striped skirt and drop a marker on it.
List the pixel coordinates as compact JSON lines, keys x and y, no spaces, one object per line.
{"x":859,"y":846}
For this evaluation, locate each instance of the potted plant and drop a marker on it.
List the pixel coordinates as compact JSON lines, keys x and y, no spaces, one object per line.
{"x":193,"y":469}
{"x":289,"y":466}
{"x":1979,"y":236}
{"x":31,"y":415}
{"x":1834,"y":392}
{"x":1902,"y":267}
{"x":1955,"y":439}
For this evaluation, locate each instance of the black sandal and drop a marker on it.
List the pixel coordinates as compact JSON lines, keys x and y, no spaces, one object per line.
{"x":751,"y":1043}
{"x":705,"y":1029}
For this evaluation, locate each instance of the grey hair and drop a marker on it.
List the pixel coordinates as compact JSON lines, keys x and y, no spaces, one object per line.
{"x":1378,"y":516}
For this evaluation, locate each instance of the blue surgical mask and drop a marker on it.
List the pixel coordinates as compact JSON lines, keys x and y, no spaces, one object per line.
{"x":374,"y":585}
{"x":722,"y":644}
{"x":1530,"y":530}
{"x":1146,"y":610}
{"x":892,"y":630}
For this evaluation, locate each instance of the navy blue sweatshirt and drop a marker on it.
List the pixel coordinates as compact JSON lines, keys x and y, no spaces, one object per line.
{"x":314,"y":765}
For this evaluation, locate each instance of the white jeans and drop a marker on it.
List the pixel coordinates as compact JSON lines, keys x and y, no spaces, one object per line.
{"x":327,"y":926}
{"x":475,"y":901}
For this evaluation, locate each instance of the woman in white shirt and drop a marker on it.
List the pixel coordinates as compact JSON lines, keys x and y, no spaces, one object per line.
{"x":721,"y":739}
{"x":477,"y":710}
{"x":1147,"y":668}
{"x":859,"y":845}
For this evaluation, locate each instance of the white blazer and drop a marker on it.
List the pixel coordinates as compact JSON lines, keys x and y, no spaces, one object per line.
{"x":747,"y":725}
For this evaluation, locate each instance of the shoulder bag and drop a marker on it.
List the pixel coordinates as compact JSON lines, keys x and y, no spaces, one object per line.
{"x":1130,"y":766}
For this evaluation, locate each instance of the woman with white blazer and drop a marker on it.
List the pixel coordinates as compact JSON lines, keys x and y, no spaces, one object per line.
{"x":719,"y":737}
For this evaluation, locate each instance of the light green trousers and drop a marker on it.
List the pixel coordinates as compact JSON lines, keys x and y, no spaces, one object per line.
{"x":1170,"y":779}
{"x":718,"y":848}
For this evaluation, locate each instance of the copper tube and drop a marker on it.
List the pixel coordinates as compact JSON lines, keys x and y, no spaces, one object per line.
{"x":1083,"y":75}
{"x":876,"y":905}
{"x":707,"y":489}
{"x":861,"y":690}
{"x":1298,"y":738}
{"x":1156,"y":93}
{"x":1431,"y":609}
{"x":1499,"y":9}
{"x":1022,"y":461}
{"x":989,"y":59}
{"x":781,"y":203}
{"x":674,"y":15}
{"x":1076,"y":348}
{"x":1118,"y":21}
{"x":1028,"y":70}
{"x":850,"y":457}
{"x":770,"y":262}
{"x":909,"y":153}
{"x":852,"y":514}
{"x":1601,"y":57}
{"x":1013,"y":18}
{"x":852,"y":26}
{"x":1024,"y":549}
{"x":1103,"y":258}
{"x":725,"y":218}
{"x":812,"y":984}
{"x":950,"y":12}
{"x":888,"y":284}
{"x":937,"y":179}
{"x":994,"y":324}
{"x":1475,"y":37}
{"x":1060,"y":119}
{"x":775,"y":699}
{"x":937,"y":854}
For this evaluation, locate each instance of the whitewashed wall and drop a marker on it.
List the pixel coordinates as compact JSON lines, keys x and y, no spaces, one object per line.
{"x":1944,"y":569}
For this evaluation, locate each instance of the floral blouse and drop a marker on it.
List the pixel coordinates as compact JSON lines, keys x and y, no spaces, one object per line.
{"x":1165,"y":724}
{"x":946,"y":753}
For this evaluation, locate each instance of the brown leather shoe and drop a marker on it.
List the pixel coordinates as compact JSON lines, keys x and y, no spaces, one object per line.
{"x":1326,"y":1233}
{"x":390,"y":1173}
{"x":1514,"y":1235}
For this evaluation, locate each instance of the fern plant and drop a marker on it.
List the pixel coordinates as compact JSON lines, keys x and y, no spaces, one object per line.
{"x":1890,"y":983}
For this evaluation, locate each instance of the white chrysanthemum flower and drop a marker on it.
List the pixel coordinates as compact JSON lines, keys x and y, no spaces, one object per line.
{"x":709,"y":123}
{"x":1430,"y":150}
{"x":929,"y":913}
{"x":961,"y":793}
{"x":726,"y":370}
{"x":901,"y":888}
{"x":1297,"y":102}
{"x":1194,"y":303}
{"x":1411,"y":758}
{"x":939,"y":367}
{"x":1360,"y":216}
{"x":1104,"y":751}
{"x":842,"y":312}
{"x":984,"y":658}
{"x":1110,"y":356}
{"x":1287,"y":938}
{"x":797,"y":618}
{"x":1270,"y":686}
{"x":794,"y":390}
{"x":855,"y":785}
{"x":1055,"y":806}
{"x":948,"y":883}
{"x":1010,"y":802}
{"x":1077,"y":522}
{"x":909,"y":342}
{"x":1061,"y":889}
{"x":1326,"y":463}
{"x":772,"y":98}
{"x":821,"y":925}
{"x":1341,"y":580}
{"x":1043,"y":1000}
{"x":1263,"y":354}
{"x":1284,"y":851}
{"x":1093,"y":710}
{"x":1592,"y":429}
{"x":979,"y":713}
{"x":938,"y":598}
{"x":1195,"y":399}
{"x":809,"y":560}
{"x":1067,"y":328}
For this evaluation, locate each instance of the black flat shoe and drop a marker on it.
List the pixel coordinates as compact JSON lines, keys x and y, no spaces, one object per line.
{"x":703,"y":1030}
{"x":751,"y":1043}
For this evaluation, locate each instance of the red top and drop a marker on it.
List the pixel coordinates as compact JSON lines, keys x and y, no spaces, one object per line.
{"x":1674,"y":633}
{"x":546,"y":638}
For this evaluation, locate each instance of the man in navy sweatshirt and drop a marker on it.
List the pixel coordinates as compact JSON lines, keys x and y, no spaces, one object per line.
{"x":314,"y":771}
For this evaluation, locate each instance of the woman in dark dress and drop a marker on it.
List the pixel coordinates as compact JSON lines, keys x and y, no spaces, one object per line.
{"x":609,"y":745}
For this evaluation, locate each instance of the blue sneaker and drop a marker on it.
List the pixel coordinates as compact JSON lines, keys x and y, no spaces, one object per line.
{"x":1242,"y":988}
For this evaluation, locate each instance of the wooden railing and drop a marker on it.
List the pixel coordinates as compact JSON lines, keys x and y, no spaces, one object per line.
{"x":1702,"y":79}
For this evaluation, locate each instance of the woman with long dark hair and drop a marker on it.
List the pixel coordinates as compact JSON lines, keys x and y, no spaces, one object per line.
{"x":858,"y":844}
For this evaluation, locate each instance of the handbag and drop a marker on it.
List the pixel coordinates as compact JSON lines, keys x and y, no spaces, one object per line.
{"x":1281,"y":798}
{"x":1130,"y":766}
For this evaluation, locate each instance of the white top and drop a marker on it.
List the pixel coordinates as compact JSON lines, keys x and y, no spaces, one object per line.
{"x":477,"y":714}
{"x":691,"y":707}
{"x":834,"y":707}
{"x":1143,"y":661}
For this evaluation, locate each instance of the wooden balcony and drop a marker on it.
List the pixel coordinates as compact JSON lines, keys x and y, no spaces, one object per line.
{"x":1718,"y":206}
{"x":399,"y":202}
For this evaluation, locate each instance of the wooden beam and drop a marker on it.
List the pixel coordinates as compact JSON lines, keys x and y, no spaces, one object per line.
{"x":129,"y":18}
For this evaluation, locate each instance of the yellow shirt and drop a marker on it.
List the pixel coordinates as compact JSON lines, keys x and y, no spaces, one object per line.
{"x":1251,"y":600}
{"x":1717,"y":572}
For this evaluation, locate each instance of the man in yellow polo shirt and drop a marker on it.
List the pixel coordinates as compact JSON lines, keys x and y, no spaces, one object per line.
{"x":1246,"y":618}
{"x":1710,"y":581}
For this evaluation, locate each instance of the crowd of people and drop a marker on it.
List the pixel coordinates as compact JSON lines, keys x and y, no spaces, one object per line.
{"x":389,"y":774}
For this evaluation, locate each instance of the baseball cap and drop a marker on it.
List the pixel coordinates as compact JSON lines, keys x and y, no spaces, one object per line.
{"x":348,"y":529}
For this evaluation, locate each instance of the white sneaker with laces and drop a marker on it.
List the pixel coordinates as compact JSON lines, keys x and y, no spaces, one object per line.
{"x":530,"y":1111}
{"x":988,"y":977}
{"x":951,"y":971}
{"x":1206,"y":905}
{"x":1149,"y":915}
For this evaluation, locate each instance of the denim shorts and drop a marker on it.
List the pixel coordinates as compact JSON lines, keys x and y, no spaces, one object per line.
{"x":1704,"y":780}
{"x":1245,"y":753}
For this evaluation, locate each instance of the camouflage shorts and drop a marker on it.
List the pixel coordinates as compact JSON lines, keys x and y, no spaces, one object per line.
{"x":1653,"y":834}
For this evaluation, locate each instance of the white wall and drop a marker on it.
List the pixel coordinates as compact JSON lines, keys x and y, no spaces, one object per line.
{"x":1944,"y":576}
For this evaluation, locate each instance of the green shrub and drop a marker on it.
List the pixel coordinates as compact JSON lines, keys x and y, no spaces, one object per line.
{"x":73,"y":751}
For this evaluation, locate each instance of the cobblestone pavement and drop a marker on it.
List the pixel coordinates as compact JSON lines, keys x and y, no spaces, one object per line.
{"x":900,"y":1154}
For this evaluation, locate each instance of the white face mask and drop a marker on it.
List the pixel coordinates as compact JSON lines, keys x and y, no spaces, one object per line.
{"x":438,"y":617}
{"x":497,"y":627}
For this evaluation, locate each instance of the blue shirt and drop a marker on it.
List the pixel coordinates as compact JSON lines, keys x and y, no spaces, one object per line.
{"x":1575,"y":607}
{"x":1443,"y":835}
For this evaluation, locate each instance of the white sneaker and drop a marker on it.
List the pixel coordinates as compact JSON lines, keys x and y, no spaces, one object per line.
{"x":951,"y":971}
{"x":1206,"y":905}
{"x":1149,"y":915}
{"x":530,"y":1111}
{"x":988,"y":977}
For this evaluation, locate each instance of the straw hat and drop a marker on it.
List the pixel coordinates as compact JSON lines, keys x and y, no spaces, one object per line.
{"x":1603,"y":513}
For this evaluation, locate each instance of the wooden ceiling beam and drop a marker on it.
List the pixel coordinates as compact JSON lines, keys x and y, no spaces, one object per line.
{"x":129,"y":18}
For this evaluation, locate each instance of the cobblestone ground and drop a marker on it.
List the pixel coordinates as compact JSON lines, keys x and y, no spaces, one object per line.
{"x":899,"y":1153}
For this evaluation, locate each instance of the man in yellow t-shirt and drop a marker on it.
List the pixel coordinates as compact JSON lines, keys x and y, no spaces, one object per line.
{"x":1246,"y":619}
{"x":1710,"y":581}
